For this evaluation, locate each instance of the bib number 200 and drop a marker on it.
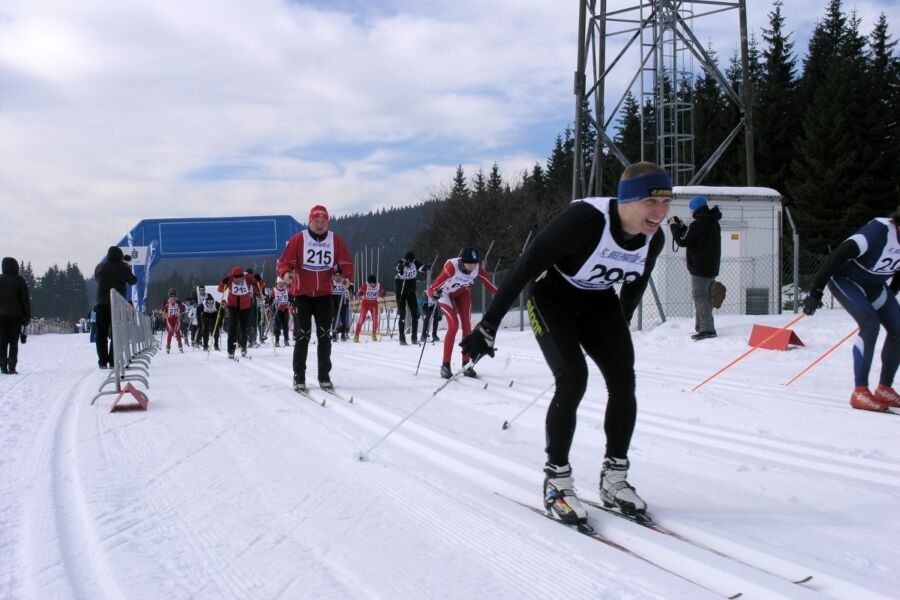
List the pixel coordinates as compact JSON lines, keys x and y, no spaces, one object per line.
{"x":614,"y":275}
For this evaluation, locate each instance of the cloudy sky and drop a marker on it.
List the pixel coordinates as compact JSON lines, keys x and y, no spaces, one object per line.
{"x":113,"y":111}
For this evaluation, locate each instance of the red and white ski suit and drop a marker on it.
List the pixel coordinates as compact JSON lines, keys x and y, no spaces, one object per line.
{"x":173,"y":311}
{"x":369,"y":295}
{"x":456,"y":301}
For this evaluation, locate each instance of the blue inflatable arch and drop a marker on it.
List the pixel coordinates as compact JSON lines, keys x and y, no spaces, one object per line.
{"x":153,"y":240}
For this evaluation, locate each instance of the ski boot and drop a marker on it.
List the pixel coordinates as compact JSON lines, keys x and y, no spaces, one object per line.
{"x":326,"y":385}
{"x":374,"y":337}
{"x":446,"y":373}
{"x":863,"y":399}
{"x":300,"y":384}
{"x":887,"y":396}
{"x":168,"y":349}
{"x":470,"y":372}
{"x":243,"y":353}
{"x":231,"y":355}
{"x":415,"y":341}
{"x":616,"y":492}
{"x":403,"y":339}
{"x":180,"y":348}
{"x":356,"y":338}
{"x":559,"y":495}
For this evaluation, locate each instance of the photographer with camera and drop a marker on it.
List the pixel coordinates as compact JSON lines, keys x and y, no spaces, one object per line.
{"x":703,"y":240}
{"x":15,"y":313}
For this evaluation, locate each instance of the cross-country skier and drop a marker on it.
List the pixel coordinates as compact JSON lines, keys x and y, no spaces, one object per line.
{"x":210,"y":312}
{"x":337,"y":304}
{"x":282,"y":303}
{"x":570,"y":269}
{"x":408,"y":268}
{"x":307,"y":265}
{"x":857,"y":273}
{"x":429,"y":311}
{"x":240,"y":307}
{"x":369,"y":294}
{"x":454,"y":282}
{"x":173,"y":309}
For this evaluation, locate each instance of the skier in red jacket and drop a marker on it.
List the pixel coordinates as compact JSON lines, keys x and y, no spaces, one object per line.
{"x":307,"y":265}
{"x":173,"y":309}
{"x":369,"y":295}
{"x":240,"y":304}
{"x":455,"y":281}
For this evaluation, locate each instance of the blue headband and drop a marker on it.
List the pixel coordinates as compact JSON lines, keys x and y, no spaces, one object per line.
{"x":645,"y":186}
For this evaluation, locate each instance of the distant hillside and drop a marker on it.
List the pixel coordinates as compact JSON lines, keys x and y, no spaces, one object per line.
{"x":392,"y":230}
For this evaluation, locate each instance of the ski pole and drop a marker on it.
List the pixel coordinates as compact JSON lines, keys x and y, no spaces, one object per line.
{"x":215,"y":330}
{"x":821,"y":358}
{"x":507,"y":424}
{"x":742,"y":356}
{"x":421,"y":354}
{"x":361,"y":456}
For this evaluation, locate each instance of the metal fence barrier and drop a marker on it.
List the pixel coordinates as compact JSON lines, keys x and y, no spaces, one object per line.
{"x":133,"y":347}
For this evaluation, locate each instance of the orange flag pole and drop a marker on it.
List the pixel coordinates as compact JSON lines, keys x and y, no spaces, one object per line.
{"x":742,"y":356}
{"x":821,"y":358}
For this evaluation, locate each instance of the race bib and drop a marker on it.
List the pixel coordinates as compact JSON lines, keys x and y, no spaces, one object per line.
{"x":318,"y":256}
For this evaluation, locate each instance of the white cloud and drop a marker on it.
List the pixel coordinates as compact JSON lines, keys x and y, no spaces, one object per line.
{"x":112,"y":110}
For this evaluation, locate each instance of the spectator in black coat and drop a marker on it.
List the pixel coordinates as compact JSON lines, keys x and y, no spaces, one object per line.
{"x":15,"y":312}
{"x":112,"y":274}
{"x":703,"y":240}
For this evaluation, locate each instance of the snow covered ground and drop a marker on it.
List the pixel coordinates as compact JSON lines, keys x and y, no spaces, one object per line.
{"x":233,"y":486}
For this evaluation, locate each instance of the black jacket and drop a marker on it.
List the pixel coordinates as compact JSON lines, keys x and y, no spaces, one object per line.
{"x":112,"y":274}
{"x":14,"y":298}
{"x":703,"y":240}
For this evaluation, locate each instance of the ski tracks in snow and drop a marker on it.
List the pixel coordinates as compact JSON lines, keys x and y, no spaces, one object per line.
{"x":62,"y":554}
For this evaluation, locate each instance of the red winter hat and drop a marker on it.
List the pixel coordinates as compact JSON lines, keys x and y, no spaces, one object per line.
{"x":318,"y":212}
{"x":237,"y":272}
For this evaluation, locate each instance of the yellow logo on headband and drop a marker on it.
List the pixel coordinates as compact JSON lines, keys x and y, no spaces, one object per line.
{"x":660,"y":192}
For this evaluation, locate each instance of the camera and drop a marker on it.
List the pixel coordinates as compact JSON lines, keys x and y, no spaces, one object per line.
{"x":674,"y":221}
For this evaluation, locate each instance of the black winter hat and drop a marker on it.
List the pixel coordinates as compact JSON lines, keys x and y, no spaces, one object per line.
{"x":115,"y":254}
{"x":10,"y":266}
{"x":372,"y":279}
{"x":470,"y":255}
{"x":410,"y":256}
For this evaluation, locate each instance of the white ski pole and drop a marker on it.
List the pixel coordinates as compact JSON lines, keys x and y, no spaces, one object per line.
{"x":361,"y":456}
{"x":507,"y":424}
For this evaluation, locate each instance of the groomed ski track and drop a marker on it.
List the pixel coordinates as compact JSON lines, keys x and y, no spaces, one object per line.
{"x":234,"y":486}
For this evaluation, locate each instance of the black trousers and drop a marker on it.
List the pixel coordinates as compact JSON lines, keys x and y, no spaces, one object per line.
{"x":237,"y":327}
{"x":104,"y":339}
{"x":207,"y":324}
{"x":428,"y":313}
{"x":565,"y":324}
{"x":10,"y":328}
{"x":406,"y":298}
{"x":280,"y":324}
{"x":308,"y":307}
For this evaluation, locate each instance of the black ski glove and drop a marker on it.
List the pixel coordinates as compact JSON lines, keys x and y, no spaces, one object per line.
{"x":479,"y":342}
{"x":812,"y":302}
{"x":225,"y":280}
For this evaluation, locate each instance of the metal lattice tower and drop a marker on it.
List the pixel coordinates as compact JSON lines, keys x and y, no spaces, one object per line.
{"x":660,"y":47}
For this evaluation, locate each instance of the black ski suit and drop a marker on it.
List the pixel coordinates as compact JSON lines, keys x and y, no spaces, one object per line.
{"x":405,"y":288}
{"x":569,"y":321}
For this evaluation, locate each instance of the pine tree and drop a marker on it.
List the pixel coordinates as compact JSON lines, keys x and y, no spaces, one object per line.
{"x":884,"y":109}
{"x":710,"y":111}
{"x":777,"y":123}
{"x":833,"y":180}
